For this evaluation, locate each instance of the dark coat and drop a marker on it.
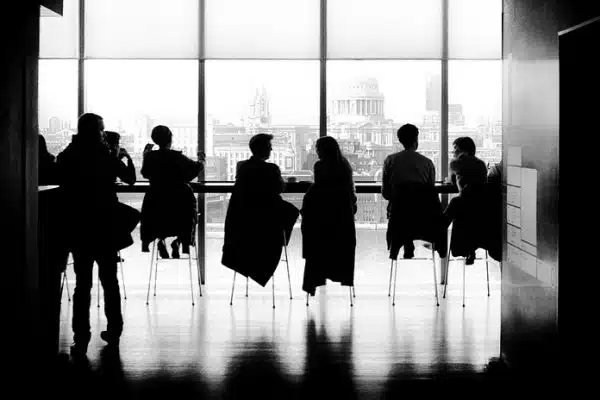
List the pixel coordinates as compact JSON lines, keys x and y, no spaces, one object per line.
{"x":328,"y":230}
{"x":256,"y":219}
{"x":415,"y":213}
{"x":477,"y":221}
{"x":94,"y":218}
{"x":169,"y":207}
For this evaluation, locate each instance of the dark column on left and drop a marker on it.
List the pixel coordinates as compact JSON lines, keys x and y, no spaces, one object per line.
{"x":24,"y":350}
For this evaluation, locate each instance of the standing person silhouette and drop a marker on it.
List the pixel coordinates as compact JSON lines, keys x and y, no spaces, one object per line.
{"x":88,"y":170}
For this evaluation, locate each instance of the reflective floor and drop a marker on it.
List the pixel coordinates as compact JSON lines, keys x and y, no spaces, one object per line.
{"x":328,"y":349}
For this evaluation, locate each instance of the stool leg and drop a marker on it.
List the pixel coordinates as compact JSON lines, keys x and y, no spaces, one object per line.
{"x":232,"y":288}
{"x":487,"y":271}
{"x":391,"y":270}
{"x":191,"y":279}
{"x":273,"y":279}
{"x":353,"y":291}
{"x":62,"y":284}
{"x":307,"y":299}
{"x":446,"y":279}
{"x":198,"y":268}
{"x":151,"y":266}
{"x":98,"y":291}
{"x":289,"y":279}
{"x":395,"y":278}
{"x":247,"y":279}
{"x":437,"y":300}
{"x":122,"y":275}
{"x":464,"y":272}
{"x":155,"y":271}
{"x":350,"y":291}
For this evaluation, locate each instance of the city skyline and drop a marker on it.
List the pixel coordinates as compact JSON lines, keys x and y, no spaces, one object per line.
{"x":118,"y":90}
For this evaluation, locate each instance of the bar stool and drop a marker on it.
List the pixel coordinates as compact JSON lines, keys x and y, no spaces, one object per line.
{"x":464,"y":273}
{"x":352,"y":294}
{"x":427,"y":245}
{"x":272,"y":278}
{"x":154,"y":263}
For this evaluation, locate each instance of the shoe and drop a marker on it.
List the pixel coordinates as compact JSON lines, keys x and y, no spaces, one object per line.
{"x":162,"y":249}
{"x":470,"y":259}
{"x":175,"y":248}
{"x":185,"y":248}
{"x":110,"y":339}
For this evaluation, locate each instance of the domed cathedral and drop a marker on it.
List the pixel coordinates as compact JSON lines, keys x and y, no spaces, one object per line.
{"x":359,"y":101}
{"x":357,"y":115}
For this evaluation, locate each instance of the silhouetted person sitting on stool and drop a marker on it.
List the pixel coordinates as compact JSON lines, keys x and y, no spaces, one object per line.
{"x":404,"y":168}
{"x":257,"y":216}
{"x":328,"y":229}
{"x":88,"y":171}
{"x":169,"y":207}
{"x":466,"y":170}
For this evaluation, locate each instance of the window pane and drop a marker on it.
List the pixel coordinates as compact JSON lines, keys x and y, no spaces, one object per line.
{"x":57,"y":102}
{"x":135,"y":96}
{"x":248,"y":97}
{"x":384,"y":29}
{"x":475,"y":29}
{"x":262,"y":29}
{"x":369,"y":100}
{"x":475,"y":106}
{"x":59,"y":35}
{"x":141,"y":29}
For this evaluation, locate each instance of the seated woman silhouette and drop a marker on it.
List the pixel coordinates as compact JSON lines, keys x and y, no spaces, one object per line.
{"x":169,"y":207}
{"x":328,"y":230}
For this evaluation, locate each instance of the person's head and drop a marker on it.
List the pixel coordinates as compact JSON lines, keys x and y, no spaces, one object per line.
{"x":90,"y":127}
{"x":464,"y":145}
{"x":408,"y":135}
{"x":162,"y":136}
{"x":112,"y":140}
{"x":260,"y":145}
{"x":328,"y":149}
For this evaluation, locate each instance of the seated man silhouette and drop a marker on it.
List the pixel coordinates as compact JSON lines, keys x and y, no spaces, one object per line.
{"x":257,"y":216}
{"x":403,"y":168}
{"x":469,"y":174}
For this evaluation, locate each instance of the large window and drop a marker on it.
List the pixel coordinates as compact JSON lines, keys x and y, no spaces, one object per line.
{"x":57,"y":102}
{"x":135,"y":96}
{"x":238,"y":67}
{"x":475,"y":106}
{"x":370,"y":100}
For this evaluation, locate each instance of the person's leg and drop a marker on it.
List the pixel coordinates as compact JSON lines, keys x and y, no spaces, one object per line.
{"x":83,"y":264}
{"x":162,"y":248}
{"x":112,"y":297}
{"x":409,"y":249}
{"x":175,"y":248}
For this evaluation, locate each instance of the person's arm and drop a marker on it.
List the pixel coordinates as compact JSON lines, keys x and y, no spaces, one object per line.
{"x":453,"y":168}
{"x":191,"y":168}
{"x":125,"y":172}
{"x":431,"y":178}
{"x":278,"y":183}
{"x":386,"y":190}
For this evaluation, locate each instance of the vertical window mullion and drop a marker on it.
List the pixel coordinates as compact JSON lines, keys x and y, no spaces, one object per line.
{"x":323,"y":70}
